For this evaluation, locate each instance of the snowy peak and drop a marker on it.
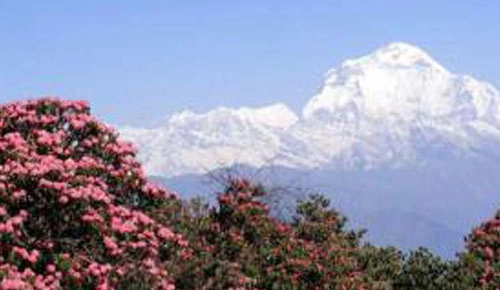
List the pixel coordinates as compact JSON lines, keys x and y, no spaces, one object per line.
{"x":277,"y":116}
{"x":399,"y":83}
{"x":397,"y":54}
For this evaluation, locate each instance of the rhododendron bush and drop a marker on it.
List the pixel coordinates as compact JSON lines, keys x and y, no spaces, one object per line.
{"x":482,"y":259}
{"x":238,"y":245}
{"x":75,"y":204}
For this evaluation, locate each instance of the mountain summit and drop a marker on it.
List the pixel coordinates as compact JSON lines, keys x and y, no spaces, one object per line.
{"x":398,"y":54}
{"x":391,"y":106}
{"x":400,"y":82}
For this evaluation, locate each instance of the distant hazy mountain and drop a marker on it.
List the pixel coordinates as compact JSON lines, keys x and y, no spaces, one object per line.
{"x":390,"y":132}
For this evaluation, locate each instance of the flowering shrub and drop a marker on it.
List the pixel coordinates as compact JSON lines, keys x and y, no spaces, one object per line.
{"x":75,"y":206}
{"x":482,"y":259}
{"x":238,"y":245}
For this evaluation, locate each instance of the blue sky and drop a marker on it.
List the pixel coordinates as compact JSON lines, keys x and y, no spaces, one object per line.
{"x":137,"y":61}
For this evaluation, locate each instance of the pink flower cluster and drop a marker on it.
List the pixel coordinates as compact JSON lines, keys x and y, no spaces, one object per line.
{"x":483,"y":244}
{"x":69,"y":185}
{"x":15,"y":279}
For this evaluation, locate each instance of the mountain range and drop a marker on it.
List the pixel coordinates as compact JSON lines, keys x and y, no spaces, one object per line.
{"x":400,"y":144}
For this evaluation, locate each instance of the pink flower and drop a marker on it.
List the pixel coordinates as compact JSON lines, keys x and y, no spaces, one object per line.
{"x":166,"y":233}
{"x":183,"y":243}
{"x":18,"y":194}
{"x":13,"y":284}
{"x":3,"y":211}
{"x":51,"y":268}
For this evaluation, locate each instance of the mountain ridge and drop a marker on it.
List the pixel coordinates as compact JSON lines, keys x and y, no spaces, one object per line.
{"x":377,"y":110}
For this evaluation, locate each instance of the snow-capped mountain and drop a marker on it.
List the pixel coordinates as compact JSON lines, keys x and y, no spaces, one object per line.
{"x":392,"y":108}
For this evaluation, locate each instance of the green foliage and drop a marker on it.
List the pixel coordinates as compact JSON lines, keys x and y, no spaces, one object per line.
{"x":421,"y":271}
{"x":382,"y":264}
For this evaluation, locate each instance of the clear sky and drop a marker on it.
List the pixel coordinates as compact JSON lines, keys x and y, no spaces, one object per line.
{"x":137,"y":61}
